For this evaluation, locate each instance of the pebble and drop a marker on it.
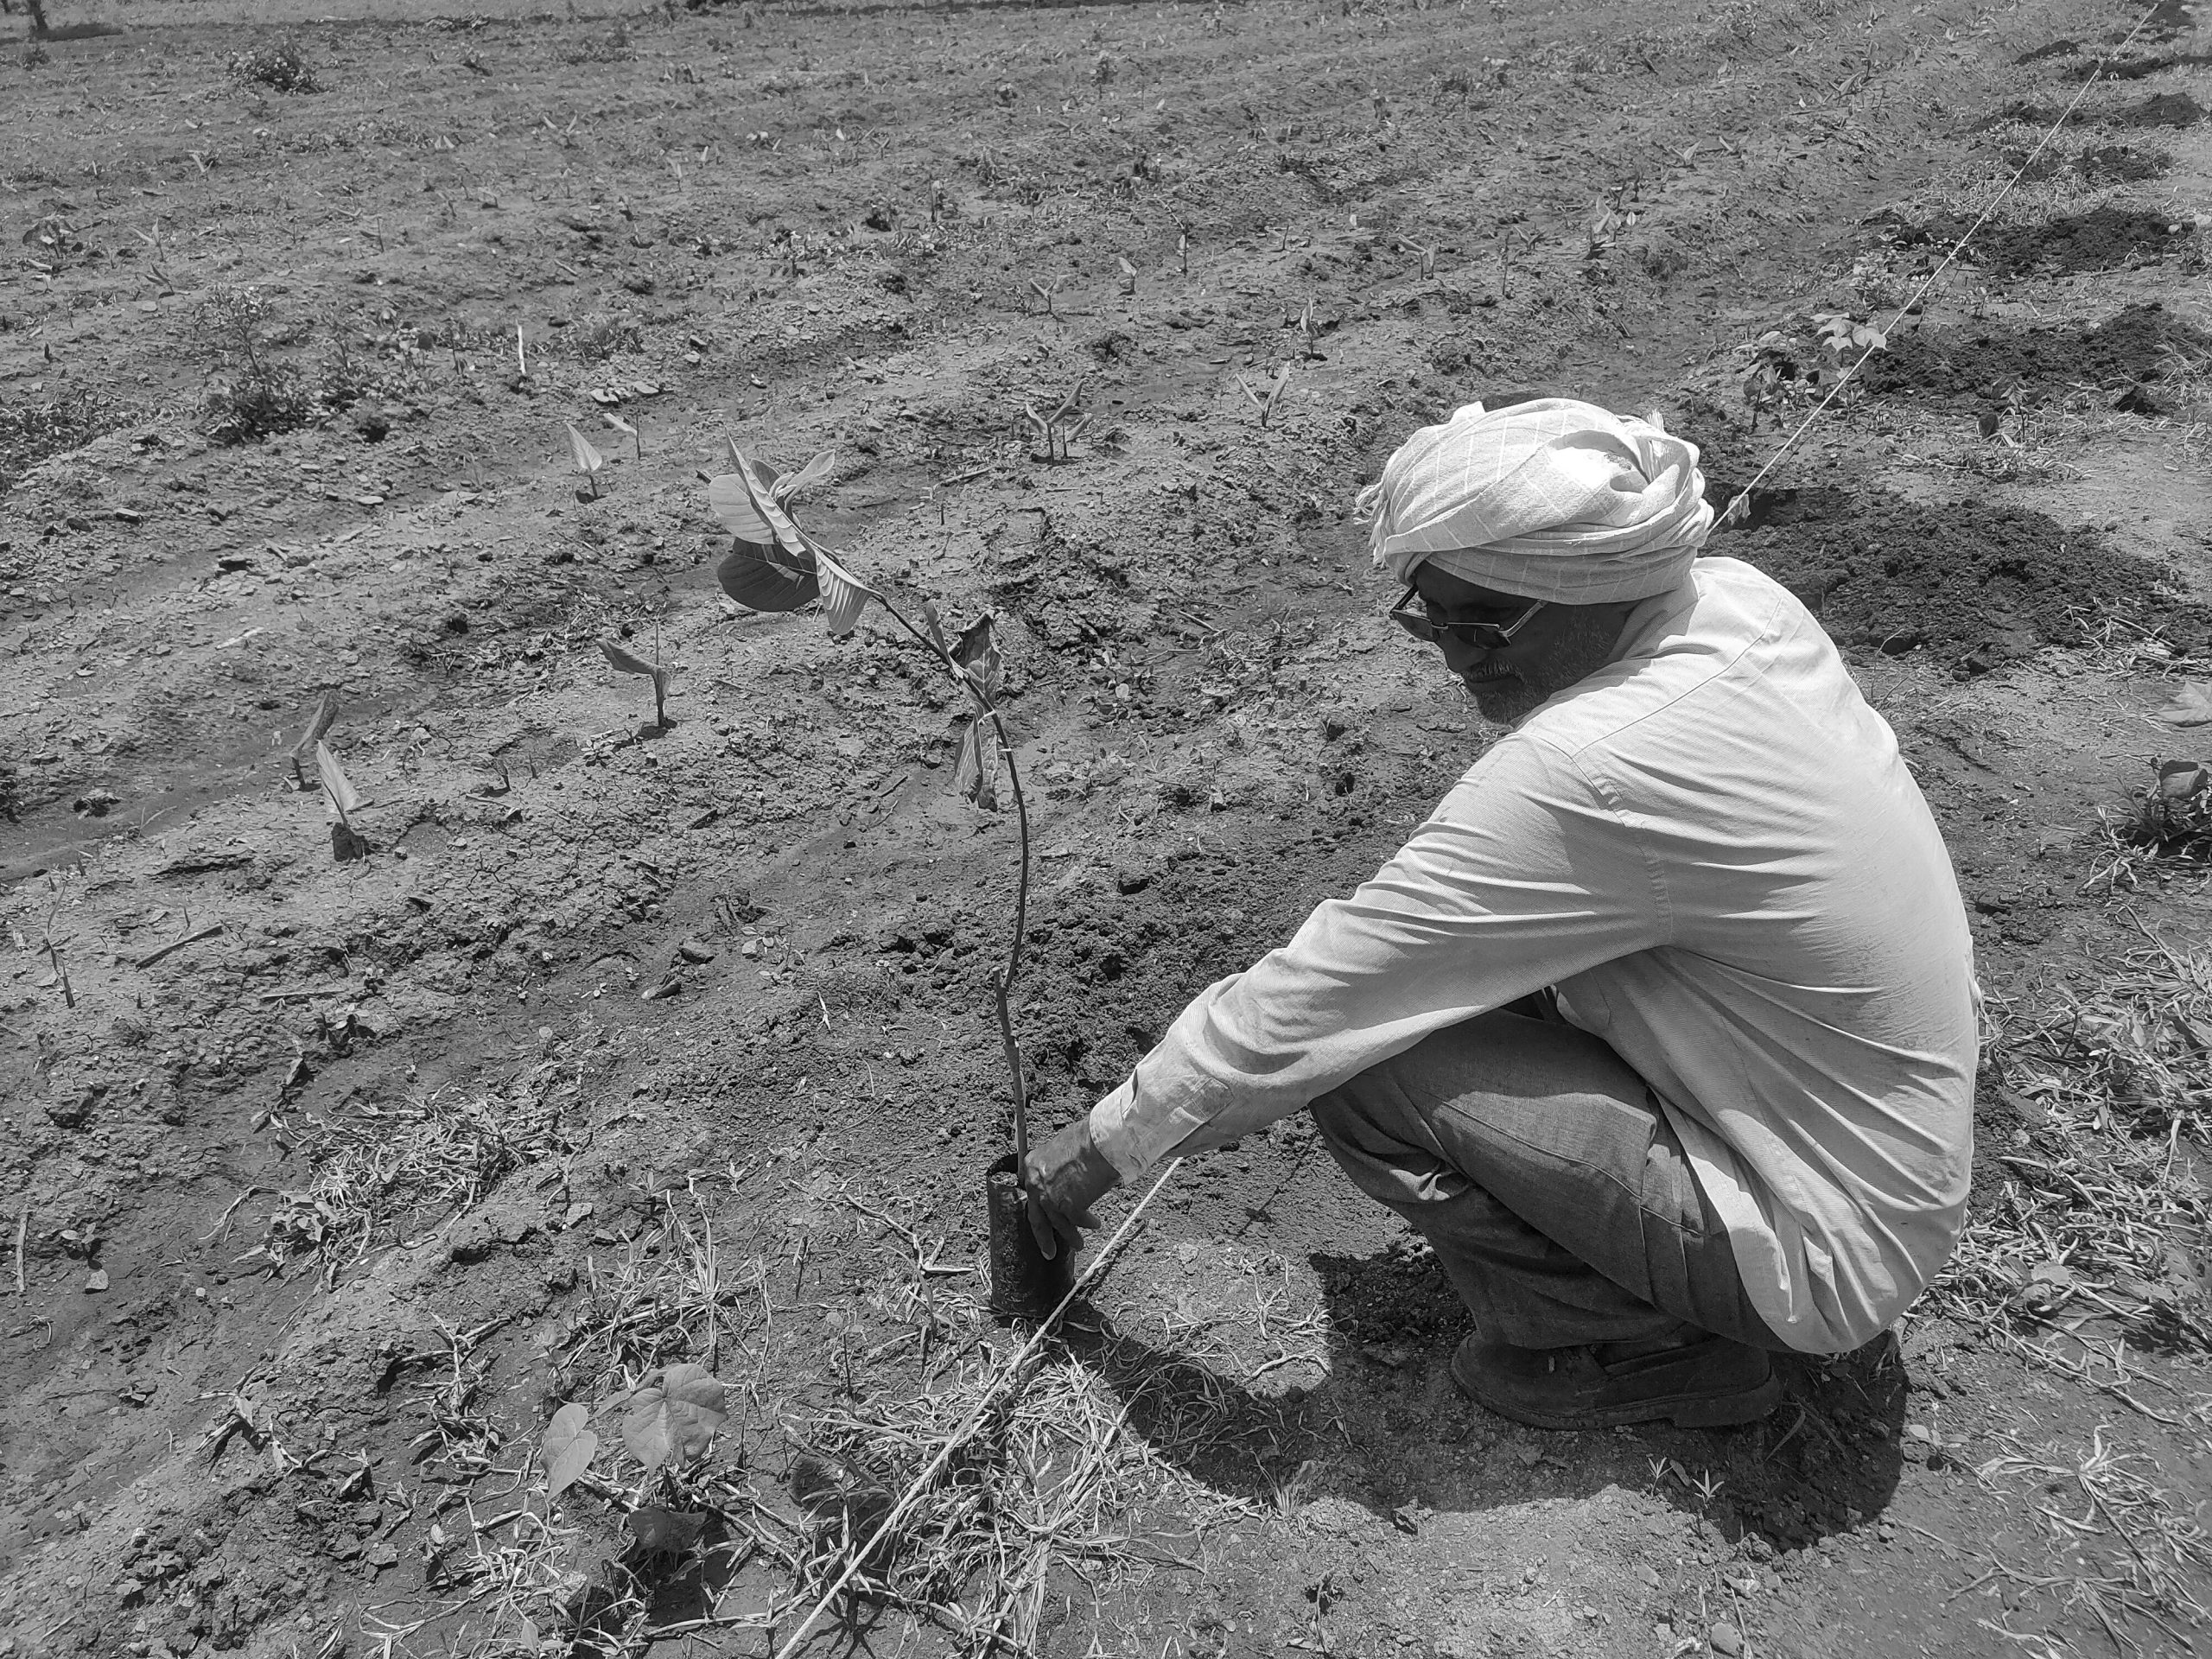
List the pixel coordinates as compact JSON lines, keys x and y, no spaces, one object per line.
{"x":1725,"y":1638}
{"x":1649,"y":1574}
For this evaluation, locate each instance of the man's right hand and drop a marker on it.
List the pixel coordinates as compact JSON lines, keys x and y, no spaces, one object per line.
{"x":1062,"y":1178}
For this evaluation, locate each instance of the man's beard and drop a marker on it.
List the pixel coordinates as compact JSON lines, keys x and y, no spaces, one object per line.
{"x":1579,"y":653}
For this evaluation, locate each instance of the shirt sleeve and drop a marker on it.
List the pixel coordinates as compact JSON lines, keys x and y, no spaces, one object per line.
{"x":1525,"y":875}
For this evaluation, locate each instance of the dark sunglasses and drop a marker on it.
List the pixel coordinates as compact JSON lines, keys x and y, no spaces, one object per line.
{"x":1489,"y":636}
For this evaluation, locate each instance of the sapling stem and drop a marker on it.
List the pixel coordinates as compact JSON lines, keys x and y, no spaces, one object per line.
{"x":1002,"y":985}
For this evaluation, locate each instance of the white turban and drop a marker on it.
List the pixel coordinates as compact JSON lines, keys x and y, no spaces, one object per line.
{"x":1551,"y":500}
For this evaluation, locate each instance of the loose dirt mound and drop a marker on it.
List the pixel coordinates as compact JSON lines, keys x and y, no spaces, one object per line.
{"x":1982,"y":364}
{"x":2104,"y":239}
{"x":1976,"y":583}
{"x":2159,"y":109}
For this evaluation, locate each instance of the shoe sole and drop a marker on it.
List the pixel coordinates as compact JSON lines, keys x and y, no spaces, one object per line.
{"x":1684,"y":1410}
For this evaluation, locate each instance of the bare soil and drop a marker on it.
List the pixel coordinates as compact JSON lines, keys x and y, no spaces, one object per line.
{"x":610,"y":1045}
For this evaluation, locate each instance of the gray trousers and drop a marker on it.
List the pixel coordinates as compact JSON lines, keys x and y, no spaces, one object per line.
{"x":1540,"y":1169}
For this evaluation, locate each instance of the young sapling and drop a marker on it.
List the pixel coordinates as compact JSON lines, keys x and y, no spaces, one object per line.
{"x":588,"y":460}
{"x":1128,"y":274}
{"x":625,"y":662}
{"x":775,"y":565}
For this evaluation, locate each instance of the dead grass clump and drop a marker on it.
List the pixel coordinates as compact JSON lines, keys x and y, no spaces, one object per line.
{"x":1053,"y":1476}
{"x":602,"y":337}
{"x":31,"y":433}
{"x":2119,"y":1543}
{"x":379,"y":1172}
{"x":2100,"y":1214}
{"x":280,"y":65}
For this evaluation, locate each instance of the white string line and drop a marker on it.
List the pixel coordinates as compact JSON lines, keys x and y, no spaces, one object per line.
{"x":960,"y":1435}
{"x":1742,"y":498}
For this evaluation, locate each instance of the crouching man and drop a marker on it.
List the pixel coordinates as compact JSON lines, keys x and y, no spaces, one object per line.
{"x":1662,"y":1029}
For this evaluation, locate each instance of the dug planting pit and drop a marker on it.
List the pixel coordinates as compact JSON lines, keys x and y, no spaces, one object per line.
{"x":2104,"y":239}
{"x":1970,"y":582}
{"x":1986,"y":363}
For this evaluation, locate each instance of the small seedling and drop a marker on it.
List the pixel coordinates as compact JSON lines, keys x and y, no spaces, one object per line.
{"x":347,"y":843}
{"x":1183,"y":248}
{"x":326,"y":712}
{"x":637,"y":437}
{"x":1265,"y":403}
{"x":1046,"y":290}
{"x":1306,"y":348}
{"x":1427,"y":254}
{"x":625,"y":662}
{"x":588,"y":460}
{"x":1054,"y":430}
{"x":1128,"y":276}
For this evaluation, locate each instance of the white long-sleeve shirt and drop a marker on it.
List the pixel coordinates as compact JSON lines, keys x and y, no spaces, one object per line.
{"x":1714,"y":850}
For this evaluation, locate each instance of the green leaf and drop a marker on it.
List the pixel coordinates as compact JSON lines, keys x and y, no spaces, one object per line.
{"x":2182,"y":781}
{"x":806,"y":478}
{"x":751,"y":573}
{"x":673,"y":1415}
{"x":570,"y":1447}
{"x":627,"y":661}
{"x":588,"y":459}
{"x":759,"y":484}
{"x":344,"y":800}
{"x":326,"y":712}
{"x":977,"y":653}
{"x":664,"y":1532}
{"x":844,"y":595}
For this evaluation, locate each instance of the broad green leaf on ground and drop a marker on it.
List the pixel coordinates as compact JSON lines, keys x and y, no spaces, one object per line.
{"x":571,"y":1446}
{"x":2192,"y":706}
{"x":671,"y":1416}
{"x":344,"y":798}
{"x":588,"y":459}
{"x":664,"y":1532}
{"x":844,"y":595}
{"x":629,"y":662}
{"x":753,"y":575}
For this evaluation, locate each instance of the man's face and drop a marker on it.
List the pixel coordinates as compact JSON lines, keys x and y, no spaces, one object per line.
{"x":1557,"y":647}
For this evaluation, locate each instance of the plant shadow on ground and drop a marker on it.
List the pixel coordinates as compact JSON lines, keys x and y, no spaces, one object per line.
{"x":1386,"y":1427}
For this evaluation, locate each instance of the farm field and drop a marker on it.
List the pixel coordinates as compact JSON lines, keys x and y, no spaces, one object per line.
{"x":347,"y":1170}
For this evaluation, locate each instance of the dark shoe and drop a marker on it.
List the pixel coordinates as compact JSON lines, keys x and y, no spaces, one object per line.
{"x":1706,"y":1382}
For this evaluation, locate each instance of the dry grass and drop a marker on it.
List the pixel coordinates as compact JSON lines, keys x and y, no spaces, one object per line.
{"x":378,"y":1172}
{"x":2101,"y":1216}
{"x":2120,"y":1546}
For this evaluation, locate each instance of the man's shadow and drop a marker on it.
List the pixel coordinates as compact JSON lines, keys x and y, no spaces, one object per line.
{"x":1378,"y":1421}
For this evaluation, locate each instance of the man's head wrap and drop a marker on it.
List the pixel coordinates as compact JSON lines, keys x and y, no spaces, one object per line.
{"x":1551,"y":500}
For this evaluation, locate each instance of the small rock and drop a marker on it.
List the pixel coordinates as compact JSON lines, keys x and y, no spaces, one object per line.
{"x":693,"y":951}
{"x":1648,"y":1575}
{"x":95,"y":1280}
{"x":1131,"y":878}
{"x":1726,"y":1637}
{"x":1393,"y":1356}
